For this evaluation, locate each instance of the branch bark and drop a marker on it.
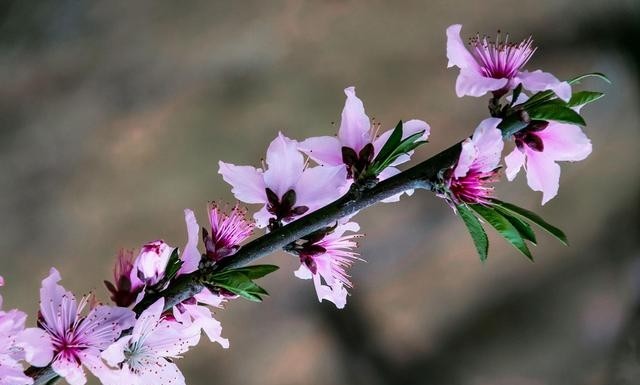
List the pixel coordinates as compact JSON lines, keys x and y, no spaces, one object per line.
{"x":422,"y":176}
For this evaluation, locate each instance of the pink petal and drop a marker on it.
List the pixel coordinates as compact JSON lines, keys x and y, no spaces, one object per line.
{"x":321,"y":185}
{"x":457,"y":52}
{"x":325,"y":150}
{"x":11,"y":372}
{"x":148,"y":320}
{"x":104,"y":324}
{"x":336,"y":293}
{"x":472,"y":83}
{"x":90,"y":358}
{"x":285,"y":165}
{"x":162,"y":372}
{"x":208,"y":298}
{"x":170,"y":338}
{"x":541,"y":81}
{"x":261,"y":217}
{"x":247,"y":182}
{"x":114,"y":354}
{"x":514,"y":161}
{"x":487,"y":139}
{"x":203,"y":318}
{"x":303,"y":272}
{"x":355,"y":127}
{"x":70,"y":370}
{"x":565,"y":142}
{"x":190,"y":254}
{"x":543,"y":174}
{"x":57,"y":306}
{"x":468,"y":154}
{"x":36,"y":345}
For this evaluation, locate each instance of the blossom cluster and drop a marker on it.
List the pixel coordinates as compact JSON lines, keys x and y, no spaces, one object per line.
{"x":136,"y":339}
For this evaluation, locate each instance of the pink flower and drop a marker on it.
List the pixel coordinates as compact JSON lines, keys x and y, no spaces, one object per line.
{"x":356,"y":145}
{"x":149,"y":266}
{"x":144,"y":357}
{"x":78,"y":340}
{"x":17,"y":344}
{"x":123,"y":290}
{"x":477,"y":167}
{"x":497,"y":66}
{"x":326,"y":259}
{"x":190,"y":256}
{"x":539,"y":147}
{"x":287,"y":188}
{"x":195,"y":311}
{"x":228,"y":231}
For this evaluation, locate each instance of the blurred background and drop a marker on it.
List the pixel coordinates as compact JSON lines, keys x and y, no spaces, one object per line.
{"x":114,"y":116}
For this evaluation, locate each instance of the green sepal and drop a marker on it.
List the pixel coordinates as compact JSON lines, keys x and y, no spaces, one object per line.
{"x":173,"y":265}
{"x":478,"y":235}
{"x":534,"y":218}
{"x":504,"y":227}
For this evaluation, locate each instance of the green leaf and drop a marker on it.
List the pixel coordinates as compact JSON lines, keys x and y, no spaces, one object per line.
{"x":173,"y":265}
{"x":533,"y":217}
{"x":584,"y":97}
{"x":391,"y":144}
{"x":523,"y":227}
{"x":556,"y":112}
{"x":515,"y":94}
{"x":598,"y":75}
{"x":405,"y":146}
{"x":476,"y":231}
{"x":240,"y":284}
{"x":253,"y":272}
{"x":505,"y":228}
{"x":511,"y":124}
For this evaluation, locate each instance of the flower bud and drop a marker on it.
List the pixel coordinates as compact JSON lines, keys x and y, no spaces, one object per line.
{"x":151,"y":263}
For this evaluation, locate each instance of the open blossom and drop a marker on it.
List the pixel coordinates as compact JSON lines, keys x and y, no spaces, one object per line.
{"x":144,"y":357}
{"x":287,"y":189}
{"x":497,"y":66}
{"x":326,"y":259}
{"x":538,"y":147}
{"x":17,"y":343}
{"x":196,"y":311}
{"x":356,"y":145}
{"x":228,"y":231}
{"x":477,"y":168}
{"x":78,"y":340}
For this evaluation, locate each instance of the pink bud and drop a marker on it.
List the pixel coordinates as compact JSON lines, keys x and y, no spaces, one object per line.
{"x":151,"y":263}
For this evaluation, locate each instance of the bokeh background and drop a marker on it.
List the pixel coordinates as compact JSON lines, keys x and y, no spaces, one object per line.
{"x":114,"y":115}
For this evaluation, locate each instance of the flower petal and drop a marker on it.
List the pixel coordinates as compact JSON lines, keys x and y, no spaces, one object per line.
{"x":543,"y":174}
{"x":541,"y":81}
{"x":514,"y":162}
{"x":190,"y":254}
{"x":468,"y":154}
{"x":114,"y":354}
{"x":355,"y":126}
{"x":285,"y":165}
{"x":103,"y":325}
{"x":57,"y":306}
{"x":320,"y":185}
{"x":36,"y":345}
{"x":565,"y":142}
{"x":247,"y":182}
{"x":472,"y":83}
{"x":325,"y":150}
{"x":70,"y":370}
{"x":262,"y":217}
{"x":487,"y":139}
{"x":457,"y":52}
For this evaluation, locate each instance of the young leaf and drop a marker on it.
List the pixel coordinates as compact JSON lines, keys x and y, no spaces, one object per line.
{"x":507,"y":230}
{"x":391,"y":144}
{"x":556,"y":112}
{"x":533,"y":217}
{"x":584,"y":97}
{"x":598,"y":75}
{"x":240,"y":284}
{"x":523,"y":227}
{"x":404,"y":147}
{"x":476,"y":231}
{"x":173,"y":265}
{"x":253,"y":272}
